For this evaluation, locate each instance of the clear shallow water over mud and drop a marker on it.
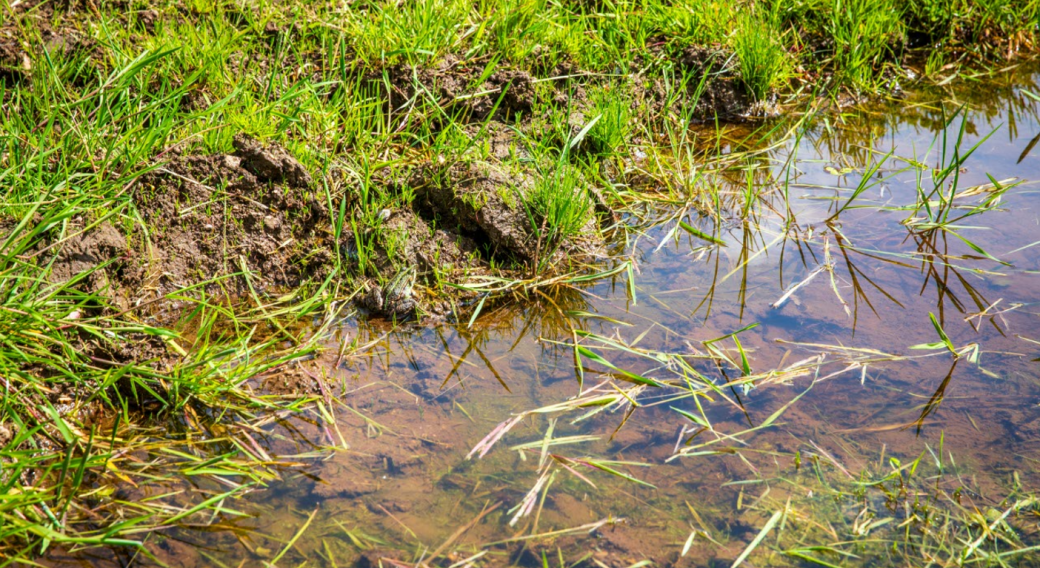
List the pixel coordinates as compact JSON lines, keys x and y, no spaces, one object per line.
{"x":688,"y":473}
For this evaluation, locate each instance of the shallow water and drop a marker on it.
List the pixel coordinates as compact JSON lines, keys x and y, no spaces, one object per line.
{"x":391,"y":479}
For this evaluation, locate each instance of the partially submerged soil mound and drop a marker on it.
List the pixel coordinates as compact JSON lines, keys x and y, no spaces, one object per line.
{"x":722,"y":93}
{"x":465,"y":218}
{"x":254,"y":220}
{"x":479,"y":201}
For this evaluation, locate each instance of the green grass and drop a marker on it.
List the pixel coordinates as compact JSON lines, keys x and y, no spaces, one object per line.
{"x":613,"y":131}
{"x":87,"y":120}
{"x":976,"y":25}
{"x":867,"y":34}
{"x":558,"y":205}
{"x":763,"y":61}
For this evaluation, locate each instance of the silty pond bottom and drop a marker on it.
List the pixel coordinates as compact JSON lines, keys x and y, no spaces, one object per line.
{"x":850,"y":378}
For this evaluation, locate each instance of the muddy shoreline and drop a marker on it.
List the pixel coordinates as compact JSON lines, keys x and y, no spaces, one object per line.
{"x":453,"y":284}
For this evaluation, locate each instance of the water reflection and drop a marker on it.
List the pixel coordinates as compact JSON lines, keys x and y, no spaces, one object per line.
{"x":656,"y":400}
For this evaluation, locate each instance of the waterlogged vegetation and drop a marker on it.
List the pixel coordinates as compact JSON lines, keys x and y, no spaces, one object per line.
{"x":443,"y":283}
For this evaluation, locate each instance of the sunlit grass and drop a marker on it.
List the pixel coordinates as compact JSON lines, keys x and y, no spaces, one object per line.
{"x":81,"y":126}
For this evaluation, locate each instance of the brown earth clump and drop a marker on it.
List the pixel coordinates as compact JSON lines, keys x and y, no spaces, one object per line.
{"x":406,"y":240}
{"x":713,"y":71}
{"x":460,"y":87}
{"x":94,"y":248}
{"x":465,"y":217}
{"x":14,"y":61}
{"x":251,"y":212}
{"x":479,"y":200}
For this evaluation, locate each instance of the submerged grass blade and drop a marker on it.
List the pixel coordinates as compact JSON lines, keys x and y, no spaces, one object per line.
{"x":758,"y":539}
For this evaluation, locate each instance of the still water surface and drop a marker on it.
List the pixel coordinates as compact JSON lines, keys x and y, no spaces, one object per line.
{"x":839,"y":299}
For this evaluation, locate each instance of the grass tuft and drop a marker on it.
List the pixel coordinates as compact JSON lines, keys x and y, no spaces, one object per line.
{"x":763,"y":60}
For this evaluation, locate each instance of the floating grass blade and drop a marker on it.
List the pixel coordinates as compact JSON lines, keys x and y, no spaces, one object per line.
{"x":942,"y":334}
{"x":701,"y":234}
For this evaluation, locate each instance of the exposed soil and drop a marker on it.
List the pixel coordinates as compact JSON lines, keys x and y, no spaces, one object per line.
{"x":723,"y":93}
{"x":212,"y":216}
{"x":14,"y":61}
{"x":60,"y":40}
{"x":458,"y":87}
{"x":92,"y":248}
{"x":480,"y":200}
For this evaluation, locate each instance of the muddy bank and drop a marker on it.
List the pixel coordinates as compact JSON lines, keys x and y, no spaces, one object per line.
{"x":253,"y":213}
{"x":235,"y":222}
{"x":255,"y":220}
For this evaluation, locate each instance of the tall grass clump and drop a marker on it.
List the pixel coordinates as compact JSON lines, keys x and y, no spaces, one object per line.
{"x":418,"y":32}
{"x":614,"y":127}
{"x":762,"y":57}
{"x":978,"y":24}
{"x":520,"y":26}
{"x":698,"y":22}
{"x":865,"y":34}
{"x":558,"y":206}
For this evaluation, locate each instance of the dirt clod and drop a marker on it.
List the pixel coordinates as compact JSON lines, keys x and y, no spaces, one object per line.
{"x":481,"y":200}
{"x":89,"y":251}
{"x":460,"y":86}
{"x":210,"y":214}
{"x":271,"y":163}
{"x":14,"y":61}
{"x":148,"y":19}
{"x":713,"y":81}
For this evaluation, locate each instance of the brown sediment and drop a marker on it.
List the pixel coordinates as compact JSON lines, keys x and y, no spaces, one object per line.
{"x":88,"y":250}
{"x":290,"y":381}
{"x":171,"y":552}
{"x":372,"y":459}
